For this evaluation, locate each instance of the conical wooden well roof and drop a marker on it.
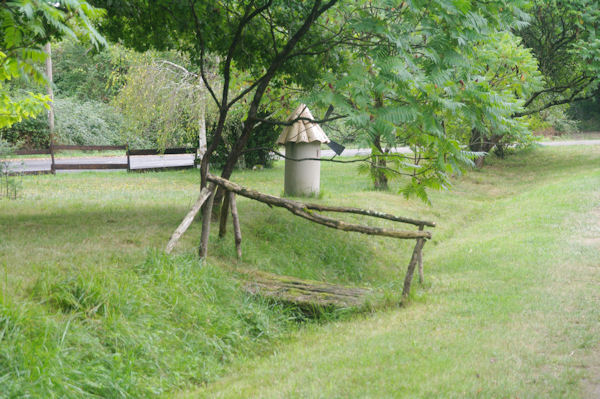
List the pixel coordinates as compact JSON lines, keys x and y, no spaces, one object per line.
{"x":302,"y":131}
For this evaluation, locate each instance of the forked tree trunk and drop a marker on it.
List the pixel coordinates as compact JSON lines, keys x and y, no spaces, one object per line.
{"x":277,"y":62}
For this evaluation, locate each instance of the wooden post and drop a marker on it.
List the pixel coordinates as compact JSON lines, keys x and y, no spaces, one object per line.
{"x":411,"y":267}
{"x":236,"y":224}
{"x":224,"y":214}
{"x":420,"y":260}
{"x":48,"y":50}
{"x":188,"y":219}
{"x":52,"y":165}
{"x":206,"y":213}
{"x":128,"y":158}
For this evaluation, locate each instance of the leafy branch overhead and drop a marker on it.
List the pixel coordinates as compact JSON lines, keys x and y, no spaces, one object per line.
{"x":26,"y":26}
{"x":426,"y":75}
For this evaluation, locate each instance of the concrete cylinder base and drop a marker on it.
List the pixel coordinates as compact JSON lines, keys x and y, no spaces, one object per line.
{"x":302,"y":178}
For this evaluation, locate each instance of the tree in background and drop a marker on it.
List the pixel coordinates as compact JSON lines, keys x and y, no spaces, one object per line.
{"x":564,"y":36}
{"x":164,"y":103}
{"x":423,"y":76}
{"x":272,"y":40}
{"x":504,"y":73}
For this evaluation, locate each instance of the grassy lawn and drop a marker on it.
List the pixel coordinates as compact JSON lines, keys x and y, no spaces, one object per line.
{"x":575,"y":136}
{"x":510,"y":307}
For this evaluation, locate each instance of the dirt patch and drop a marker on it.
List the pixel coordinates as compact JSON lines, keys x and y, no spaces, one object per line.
{"x":591,"y":241}
{"x":590,"y":386}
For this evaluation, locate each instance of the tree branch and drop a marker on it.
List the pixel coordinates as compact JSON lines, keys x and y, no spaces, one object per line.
{"x":550,"y":104}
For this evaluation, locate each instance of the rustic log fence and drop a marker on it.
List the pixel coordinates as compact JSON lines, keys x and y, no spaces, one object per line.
{"x":306,"y":211}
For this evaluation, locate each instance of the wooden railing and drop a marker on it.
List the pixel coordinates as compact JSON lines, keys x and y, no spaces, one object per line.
{"x":88,"y":166}
{"x":54,"y":166}
{"x":304,"y":210}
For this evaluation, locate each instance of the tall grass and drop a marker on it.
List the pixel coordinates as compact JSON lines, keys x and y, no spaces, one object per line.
{"x":133,"y":332}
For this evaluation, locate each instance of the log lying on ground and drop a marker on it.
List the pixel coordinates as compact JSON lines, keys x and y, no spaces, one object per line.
{"x":188,"y":219}
{"x":301,"y":209}
{"x":305,"y":294}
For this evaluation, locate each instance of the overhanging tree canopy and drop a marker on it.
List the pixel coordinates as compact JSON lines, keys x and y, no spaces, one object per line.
{"x":269,"y":39}
{"x":25,"y":26}
{"x":564,"y":37}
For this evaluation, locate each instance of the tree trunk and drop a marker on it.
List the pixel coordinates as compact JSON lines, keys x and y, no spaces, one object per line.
{"x":203,"y":250}
{"x":479,"y":143}
{"x":223,"y":219}
{"x":378,"y":166}
{"x":202,"y":127}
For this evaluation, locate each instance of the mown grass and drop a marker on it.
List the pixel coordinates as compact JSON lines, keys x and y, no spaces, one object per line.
{"x":511,"y":309}
{"x":90,"y":307}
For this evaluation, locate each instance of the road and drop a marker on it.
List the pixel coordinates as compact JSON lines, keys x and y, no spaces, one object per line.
{"x":181,"y":160}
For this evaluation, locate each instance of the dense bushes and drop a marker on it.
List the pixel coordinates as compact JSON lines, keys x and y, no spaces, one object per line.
{"x":588,"y":112}
{"x":30,"y":133}
{"x":88,"y":123}
{"x":552,"y":122}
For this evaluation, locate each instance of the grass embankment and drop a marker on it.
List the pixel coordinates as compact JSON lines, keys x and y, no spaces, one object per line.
{"x":509,"y":308}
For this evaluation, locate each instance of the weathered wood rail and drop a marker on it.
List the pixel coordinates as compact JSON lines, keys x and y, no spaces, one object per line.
{"x":306,"y":211}
{"x":54,"y":148}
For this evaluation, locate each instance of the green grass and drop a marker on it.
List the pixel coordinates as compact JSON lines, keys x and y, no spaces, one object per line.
{"x":509,"y":308}
{"x":585,"y":135}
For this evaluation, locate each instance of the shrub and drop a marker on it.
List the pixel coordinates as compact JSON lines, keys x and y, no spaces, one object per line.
{"x":9,"y":185}
{"x":88,"y":123}
{"x":30,"y":133}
